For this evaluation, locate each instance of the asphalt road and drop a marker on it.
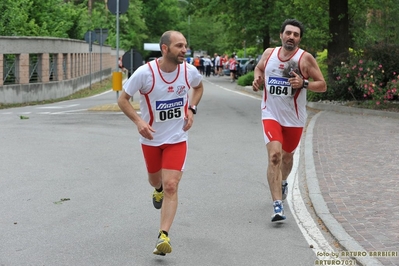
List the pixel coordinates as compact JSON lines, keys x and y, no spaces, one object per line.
{"x":74,"y":189}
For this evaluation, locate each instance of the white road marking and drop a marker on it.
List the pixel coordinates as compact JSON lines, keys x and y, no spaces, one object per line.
{"x":68,"y":111}
{"x":94,"y":96}
{"x":57,"y":106}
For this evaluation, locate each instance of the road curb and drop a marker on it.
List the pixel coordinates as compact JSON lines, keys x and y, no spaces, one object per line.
{"x":351,"y":110}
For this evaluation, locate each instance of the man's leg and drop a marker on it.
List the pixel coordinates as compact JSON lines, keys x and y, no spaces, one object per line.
{"x":291,"y":136}
{"x":272,"y":132}
{"x":274,"y":176}
{"x":155,"y":179}
{"x":286,"y":167}
{"x":173,"y":161}
{"x":153,"y":158}
{"x":170,"y":183}
{"x":286,"y":164}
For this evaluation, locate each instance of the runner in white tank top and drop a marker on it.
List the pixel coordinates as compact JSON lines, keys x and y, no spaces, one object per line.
{"x":167,"y":114}
{"x":280,"y":101}
{"x":163,"y":99}
{"x":284,"y":71}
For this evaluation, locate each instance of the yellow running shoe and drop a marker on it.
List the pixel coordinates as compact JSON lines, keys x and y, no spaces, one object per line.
{"x":157,"y":198}
{"x":163,"y":245}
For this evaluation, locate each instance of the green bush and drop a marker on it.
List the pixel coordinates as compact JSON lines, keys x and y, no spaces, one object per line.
{"x":246,"y":80}
{"x":321,"y":59}
{"x":386,"y":55}
{"x":366,"y":79}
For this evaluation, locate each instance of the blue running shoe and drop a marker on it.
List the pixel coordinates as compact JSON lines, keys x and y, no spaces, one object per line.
{"x":278,"y":214}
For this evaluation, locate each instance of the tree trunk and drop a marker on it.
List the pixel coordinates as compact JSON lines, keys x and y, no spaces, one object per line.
{"x":338,"y":47}
{"x":266,"y":39}
{"x":89,"y":6}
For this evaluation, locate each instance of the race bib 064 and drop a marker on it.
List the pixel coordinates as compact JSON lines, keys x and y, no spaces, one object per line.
{"x":279,"y":86}
{"x":169,"y":110}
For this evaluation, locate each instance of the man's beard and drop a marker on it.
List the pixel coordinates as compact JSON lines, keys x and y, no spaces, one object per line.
{"x":289,"y":47}
{"x":175,"y":59}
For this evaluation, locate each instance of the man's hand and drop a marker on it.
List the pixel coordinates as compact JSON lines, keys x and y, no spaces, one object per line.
{"x":295,"y":80}
{"x":257,"y":83}
{"x":188,"y":120}
{"x":145,"y":129}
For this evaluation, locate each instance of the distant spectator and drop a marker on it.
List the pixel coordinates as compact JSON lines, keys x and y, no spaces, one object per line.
{"x":213,"y":66}
{"x":232,"y":68}
{"x":207,"y":66}
{"x":222,"y":63}
{"x":217,"y":64}
{"x":197,"y":63}
{"x":202,"y":67}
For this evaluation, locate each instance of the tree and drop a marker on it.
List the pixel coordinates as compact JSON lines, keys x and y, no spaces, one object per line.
{"x":14,"y":20}
{"x":160,"y":16}
{"x":338,"y":46}
{"x":41,"y":18}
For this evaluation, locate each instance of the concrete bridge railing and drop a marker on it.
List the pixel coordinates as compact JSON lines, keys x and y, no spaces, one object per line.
{"x":44,"y":68}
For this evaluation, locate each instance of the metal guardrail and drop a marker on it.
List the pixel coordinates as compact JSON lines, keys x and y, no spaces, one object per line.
{"x":9,"y":64}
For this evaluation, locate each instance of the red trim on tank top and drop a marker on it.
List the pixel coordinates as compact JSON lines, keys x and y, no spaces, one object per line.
{"x":299,"y":65}
{"x":278,"y":55}
{"x":148,"y":102}
{"x":147,"y":99}
{"x":264,"y":83}
{"x":188,"y":86}
{"x":186,"y":75}
{"x":298,"y":91}
{"x":296,"y":103}
{"x":160,"y":74}
{"x":153,"y":80}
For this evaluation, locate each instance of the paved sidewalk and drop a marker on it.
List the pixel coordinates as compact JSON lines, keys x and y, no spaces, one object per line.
{"x":356,"y":159}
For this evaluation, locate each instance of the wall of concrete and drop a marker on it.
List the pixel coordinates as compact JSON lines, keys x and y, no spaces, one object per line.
{"x":32,"y":92}
{"x":72,"y":67}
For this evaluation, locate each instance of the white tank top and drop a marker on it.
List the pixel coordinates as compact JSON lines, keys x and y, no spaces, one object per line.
{"x":280,"y":102}
{"x":163,"y":99}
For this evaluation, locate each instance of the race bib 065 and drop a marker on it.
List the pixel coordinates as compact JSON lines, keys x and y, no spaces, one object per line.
{"x":169,"y":110}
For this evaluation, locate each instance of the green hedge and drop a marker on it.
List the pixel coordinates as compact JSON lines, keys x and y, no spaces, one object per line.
{"x":246,"y":80}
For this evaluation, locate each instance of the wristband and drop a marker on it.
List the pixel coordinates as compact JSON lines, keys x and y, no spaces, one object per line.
{"x":305,"y":83}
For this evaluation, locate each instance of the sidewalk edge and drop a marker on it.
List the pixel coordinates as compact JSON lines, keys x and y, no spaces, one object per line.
{"x":351,"y":110}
